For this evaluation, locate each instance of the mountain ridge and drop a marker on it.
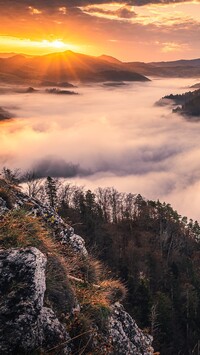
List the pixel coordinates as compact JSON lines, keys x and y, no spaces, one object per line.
{"x":79,"y":67}
{"x":67,"y":66}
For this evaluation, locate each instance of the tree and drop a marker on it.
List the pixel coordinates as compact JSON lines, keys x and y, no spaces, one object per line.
{"x":51,"y":187}
{"x":12,"y":176}
{"x":34,"y":185}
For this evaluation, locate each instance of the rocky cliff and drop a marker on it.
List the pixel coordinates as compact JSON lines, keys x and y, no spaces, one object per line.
{"x":55,"y":297}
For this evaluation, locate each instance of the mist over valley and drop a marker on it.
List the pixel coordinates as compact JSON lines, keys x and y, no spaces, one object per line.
{"x":107,"y":136}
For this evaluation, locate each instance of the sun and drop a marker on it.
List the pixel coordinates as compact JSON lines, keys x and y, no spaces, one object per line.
{"x":35,"y":47}
{"x":54,"y":44}
{"x":58,"y":44}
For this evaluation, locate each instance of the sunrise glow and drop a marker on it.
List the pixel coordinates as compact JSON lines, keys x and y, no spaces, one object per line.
{"x":138,"y":30}
{"x":28,"y":46}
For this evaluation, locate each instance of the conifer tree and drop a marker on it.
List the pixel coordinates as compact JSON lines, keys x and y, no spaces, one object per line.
{"x":51,"y":191}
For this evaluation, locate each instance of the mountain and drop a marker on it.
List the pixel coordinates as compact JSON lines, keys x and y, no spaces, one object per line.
{"x":76,"y":67}
{"x":145,"y":243}
{"x":12,"y":54}
{"x":65,"y":66}
{"x":179,"y":68}
{"x":155,"y":251}
{"x":178,"y":63}
{"x":195,"y":86}
{"x":110,"y":59}
{"x":56,"y":298}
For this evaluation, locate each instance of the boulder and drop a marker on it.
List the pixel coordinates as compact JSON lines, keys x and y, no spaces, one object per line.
{"x":127,"y":337}
{"x":25,"y":325}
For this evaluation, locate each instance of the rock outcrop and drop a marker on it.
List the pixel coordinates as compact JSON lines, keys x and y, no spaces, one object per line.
{"x":126,"y":336}
{"x":25,"y":325}
{"x":62,"y":231}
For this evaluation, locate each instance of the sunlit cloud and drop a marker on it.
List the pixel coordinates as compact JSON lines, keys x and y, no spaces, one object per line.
{"x":63,"y":10}
{"x":34,"y":11}
{"x":171,"y":47}
{"x":84,"y":25}
{"x":110,"y":11}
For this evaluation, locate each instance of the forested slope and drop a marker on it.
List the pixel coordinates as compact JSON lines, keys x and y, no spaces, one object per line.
{"x":155,"y":251}
{"x":148,"y":245}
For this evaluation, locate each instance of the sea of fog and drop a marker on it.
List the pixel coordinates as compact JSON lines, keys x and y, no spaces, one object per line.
{"x":108,"y":137}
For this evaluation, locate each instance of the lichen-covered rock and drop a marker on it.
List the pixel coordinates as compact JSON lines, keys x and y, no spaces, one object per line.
{"x":62,"y":231}
{"x":127,"y":338}
{"x":54,"y":335}
{"x":25,"y":325}
{"x":3,"y":207}
{"x":78,"y":244}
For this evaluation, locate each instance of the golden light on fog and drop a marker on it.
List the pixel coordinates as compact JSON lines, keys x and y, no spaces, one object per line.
{"x":45,"y":46}
{"x":55,"y":44}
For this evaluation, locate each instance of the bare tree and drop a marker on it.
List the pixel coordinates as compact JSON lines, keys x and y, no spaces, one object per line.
{"x":33,"y":185}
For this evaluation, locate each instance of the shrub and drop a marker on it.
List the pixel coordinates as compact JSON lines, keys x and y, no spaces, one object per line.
{"x":5,"y":195}
{"x":116,"y":290}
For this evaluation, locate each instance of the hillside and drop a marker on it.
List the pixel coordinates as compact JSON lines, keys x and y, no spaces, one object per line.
{"x":155,"y":251}
{"x":65,"y":66}
{"x":179,"y":68}
{"x":188,"y":103}
{"x":146,"y":244}
{"x":56,"y":298}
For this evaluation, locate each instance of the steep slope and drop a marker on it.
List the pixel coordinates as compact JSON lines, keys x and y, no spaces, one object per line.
{"x":54,"y":295}
{"x":155,"y":251}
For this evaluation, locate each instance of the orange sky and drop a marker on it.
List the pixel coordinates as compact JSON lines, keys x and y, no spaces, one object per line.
{"x":130,"y":30}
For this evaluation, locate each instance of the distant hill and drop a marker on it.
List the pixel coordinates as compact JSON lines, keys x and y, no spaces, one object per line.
{"x":110,"y":59}
{"x":195,"y":86}
{"x":179,"y":68}
{"x":64,"y":67}
{"x":69,"y":66}
{"x":188,"y":103}
{"x":12,"y":54}
{"x":178,"y":63}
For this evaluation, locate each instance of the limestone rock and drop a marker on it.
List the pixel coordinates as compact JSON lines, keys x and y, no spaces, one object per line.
{"x":3,"y":207}
{"x":62,"y":231}
{"x":25,"y":325}
{"x":127,"y":337}
{"x":78,"y":244}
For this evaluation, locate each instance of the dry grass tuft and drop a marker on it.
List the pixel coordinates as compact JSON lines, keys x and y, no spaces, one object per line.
{"x":19,"y":230}
{"x":116,"y":290}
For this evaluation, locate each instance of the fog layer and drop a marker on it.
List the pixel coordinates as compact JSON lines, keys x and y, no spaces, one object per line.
{"x":108,"y":137}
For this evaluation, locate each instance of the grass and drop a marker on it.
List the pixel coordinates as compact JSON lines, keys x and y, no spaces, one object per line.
{"x":19,"y":230}
{"x":95,"y":291}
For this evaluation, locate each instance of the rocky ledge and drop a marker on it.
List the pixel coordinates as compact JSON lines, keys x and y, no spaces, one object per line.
{"x":27,"y":323}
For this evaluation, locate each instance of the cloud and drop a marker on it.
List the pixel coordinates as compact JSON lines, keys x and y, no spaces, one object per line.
{"x":134,"y":25}
{"x":107,"y":137}
{"x":171,"y":47}
{"x":58,"y":168}
{"x":34,"y":11}
{"x":52,"y":5}
{"x":124,"y":12}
